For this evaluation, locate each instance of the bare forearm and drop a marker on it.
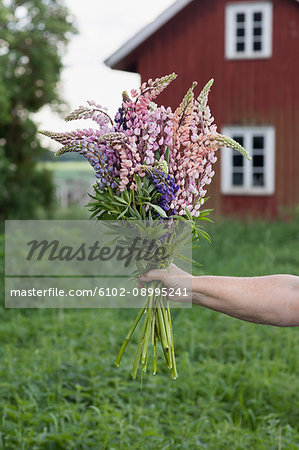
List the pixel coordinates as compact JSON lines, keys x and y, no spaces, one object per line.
{"x":272,"y":300}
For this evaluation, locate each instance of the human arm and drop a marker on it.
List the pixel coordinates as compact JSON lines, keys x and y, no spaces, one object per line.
{"x":270,"y":300}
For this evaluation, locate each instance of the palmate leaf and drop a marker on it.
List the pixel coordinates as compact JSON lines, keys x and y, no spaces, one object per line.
{"x":197,"y":231}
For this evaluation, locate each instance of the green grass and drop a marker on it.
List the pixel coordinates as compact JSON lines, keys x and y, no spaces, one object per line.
{"x":238,"y":385}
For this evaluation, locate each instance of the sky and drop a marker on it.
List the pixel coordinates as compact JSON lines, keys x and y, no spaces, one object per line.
{"x":103,"y":27}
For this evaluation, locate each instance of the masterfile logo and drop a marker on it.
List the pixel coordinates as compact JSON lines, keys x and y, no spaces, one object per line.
{"x":88,"y":264}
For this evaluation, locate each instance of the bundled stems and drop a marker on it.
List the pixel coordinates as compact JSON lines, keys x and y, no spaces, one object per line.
{"x":156,"y":328}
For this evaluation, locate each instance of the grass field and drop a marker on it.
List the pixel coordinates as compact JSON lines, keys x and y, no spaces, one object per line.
{"x":238,"y":385}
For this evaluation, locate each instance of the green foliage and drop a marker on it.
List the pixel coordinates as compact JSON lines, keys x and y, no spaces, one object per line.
{"x":139,"y":205}
{"x":128,"y":205}
{"x":33,"y":36}
{"x":244,"y":249}
{"x":238,"y":386}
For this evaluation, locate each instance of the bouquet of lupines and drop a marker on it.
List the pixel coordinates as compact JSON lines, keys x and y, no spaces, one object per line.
{"x":151,"y":164}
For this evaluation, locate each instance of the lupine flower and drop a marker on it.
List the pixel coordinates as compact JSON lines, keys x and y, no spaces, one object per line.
{"x":97,"y":158}
{"x":165,"y":185}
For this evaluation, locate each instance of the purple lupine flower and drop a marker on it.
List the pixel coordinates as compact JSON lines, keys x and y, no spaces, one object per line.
{"x":120,"y":120}
{"x":97,"y":158}
{"x":166,"y":186}
{"x":95,"y":112}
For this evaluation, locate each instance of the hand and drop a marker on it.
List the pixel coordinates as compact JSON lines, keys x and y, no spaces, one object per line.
{"x":178,"y":282}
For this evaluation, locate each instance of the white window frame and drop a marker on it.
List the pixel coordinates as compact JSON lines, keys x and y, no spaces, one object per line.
{"x":247,"y":188}
{"x":248,"y":9}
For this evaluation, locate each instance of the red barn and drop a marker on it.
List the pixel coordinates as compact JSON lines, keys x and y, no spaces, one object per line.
{"x":251,"y":48}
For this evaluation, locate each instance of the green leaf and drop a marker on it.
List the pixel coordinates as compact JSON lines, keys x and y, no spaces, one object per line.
{"x":166,"y":156}
{"x":189,"y":260}
{"x":188,"y":214}
{"x":159,"y":210}
{"x":94,"y":214}
{"x":134,"y":213}
{"x":138,"y":182}
{"x":204,"y":234}
{"x":127,"y":196}
{"x":151,"y":188}
{"x":123,"y":213}
{"x":120,"y":200}
{"x":194,"y":247}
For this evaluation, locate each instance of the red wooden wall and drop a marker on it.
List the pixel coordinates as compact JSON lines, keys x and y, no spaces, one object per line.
{"x":245,"y":92}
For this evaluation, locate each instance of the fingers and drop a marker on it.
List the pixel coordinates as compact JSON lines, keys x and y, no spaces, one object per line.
{"x":160,"y":274}
{"x":173,"y":273}
{"x":155,"y":274}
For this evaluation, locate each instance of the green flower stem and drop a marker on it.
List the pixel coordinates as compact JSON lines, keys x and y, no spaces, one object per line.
{"x":174,"y":370}
{"x":155,"y":355}
{"x":167,"y":326}
{"x":128,"y":337}
{"x":153,"y":326}
{"x":139,"y":350}
{"x":168,"y":334}
{"x":147,"y":330}
{"x":161,"y":329}
{"x":161,"y":325}
{"x":133,"y":198}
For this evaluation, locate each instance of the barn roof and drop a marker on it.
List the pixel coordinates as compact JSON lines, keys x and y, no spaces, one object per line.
{"x":117,"y":57}
{"x":118,"y":60}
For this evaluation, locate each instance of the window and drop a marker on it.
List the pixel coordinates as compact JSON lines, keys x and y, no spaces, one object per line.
{"x":254,"y":177}
{"x":248,"y":30}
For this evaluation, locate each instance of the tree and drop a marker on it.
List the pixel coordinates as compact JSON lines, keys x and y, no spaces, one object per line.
{"x":33,"y":36}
